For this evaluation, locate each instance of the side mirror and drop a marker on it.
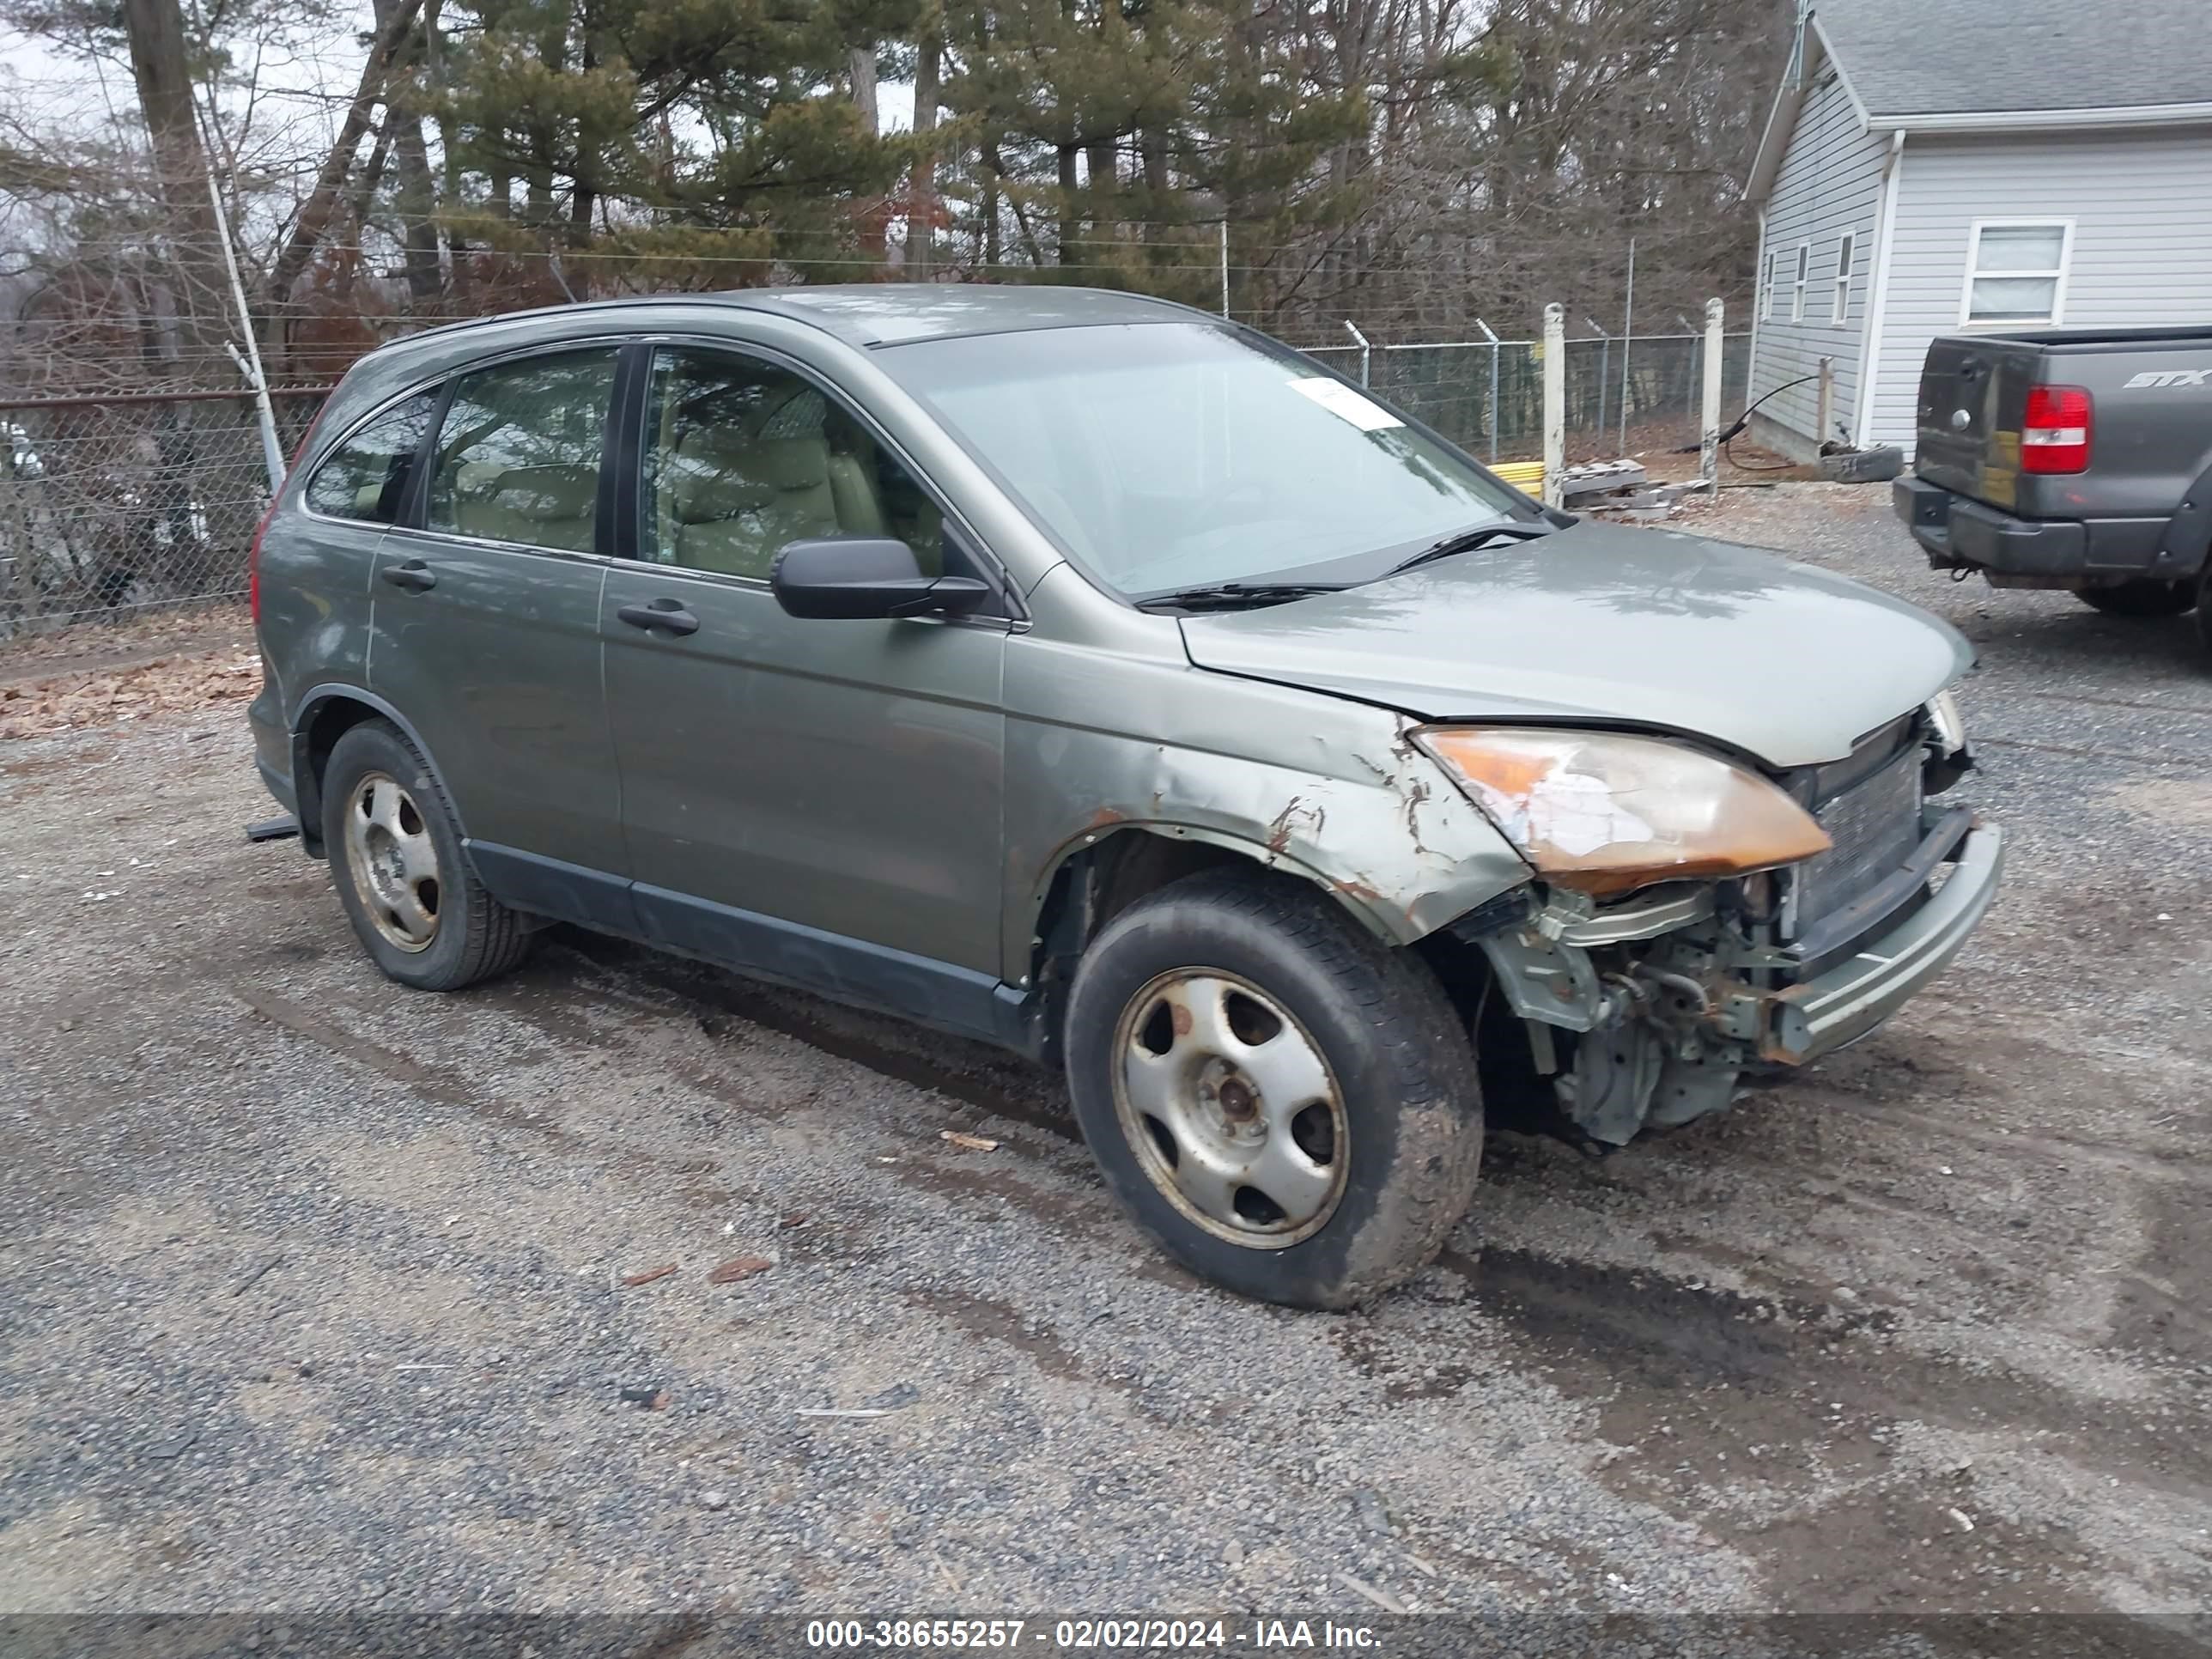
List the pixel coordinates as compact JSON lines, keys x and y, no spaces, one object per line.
{"x":866,"y":577}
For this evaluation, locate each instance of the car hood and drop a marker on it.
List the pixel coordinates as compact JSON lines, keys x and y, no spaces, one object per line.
{"x":1608,"y":624}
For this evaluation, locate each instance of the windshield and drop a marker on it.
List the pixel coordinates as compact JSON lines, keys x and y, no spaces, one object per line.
{"x":1167,"y":456}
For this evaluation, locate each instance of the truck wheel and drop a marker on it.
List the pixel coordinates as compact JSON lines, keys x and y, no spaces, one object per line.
{"x":396,"y":859}
{"x":2142,"y":597}
{"x":1288,"y":1105}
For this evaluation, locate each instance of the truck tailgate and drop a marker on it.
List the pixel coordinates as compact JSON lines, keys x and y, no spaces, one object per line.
{"x":1973,"y":393}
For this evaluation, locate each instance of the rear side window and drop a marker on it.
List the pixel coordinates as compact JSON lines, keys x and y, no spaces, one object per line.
{"x":365,"y":477}
{"x":518,"y":457}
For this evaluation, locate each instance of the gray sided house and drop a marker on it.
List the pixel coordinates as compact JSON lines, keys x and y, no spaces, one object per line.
{"x":1933,"y":167}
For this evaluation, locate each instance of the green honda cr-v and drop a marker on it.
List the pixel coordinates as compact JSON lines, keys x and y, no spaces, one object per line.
{"x":1079,"y":673}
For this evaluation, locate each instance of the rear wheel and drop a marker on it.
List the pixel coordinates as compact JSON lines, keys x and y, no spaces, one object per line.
{"x":396,"y":859}
{"x":1286,"y":1105}
{"x":2142,"y":598}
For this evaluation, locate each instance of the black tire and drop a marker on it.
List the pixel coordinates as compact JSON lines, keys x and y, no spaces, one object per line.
{"x":1398,"y":1056}
{"x":2204,"y":605}
{"x":474,"y":937}
{"x":2142,"y":598}
{"x":1876,"y":466}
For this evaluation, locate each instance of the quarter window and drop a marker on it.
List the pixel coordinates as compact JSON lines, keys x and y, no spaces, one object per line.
{"x":2015,"y":273}
{"x":1840,"y":310}
{"x":518,"y":457}
{"x":742,"y":457}
{"x":365,"y":477}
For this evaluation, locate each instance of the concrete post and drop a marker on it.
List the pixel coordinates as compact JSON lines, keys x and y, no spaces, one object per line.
{"x":1493,"y":339}
{"x":1708,"y":419}
{"x":1555,"y":404}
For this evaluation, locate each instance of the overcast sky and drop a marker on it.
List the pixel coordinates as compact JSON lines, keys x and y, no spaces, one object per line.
{"x":301,"y":88}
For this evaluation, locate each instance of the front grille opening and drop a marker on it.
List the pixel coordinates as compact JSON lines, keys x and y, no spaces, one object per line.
{"x":1873,"y":819}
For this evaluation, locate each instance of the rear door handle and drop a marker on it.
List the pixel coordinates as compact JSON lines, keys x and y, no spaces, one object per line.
{"x":668,"y":615}
{"x":413,"y":575}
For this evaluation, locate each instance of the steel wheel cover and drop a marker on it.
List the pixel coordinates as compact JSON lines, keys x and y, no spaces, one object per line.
{"x":393,"y":863}
{"x":1231,"y":1107}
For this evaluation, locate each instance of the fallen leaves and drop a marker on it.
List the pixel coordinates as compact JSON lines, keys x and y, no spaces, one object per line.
{"x":738,"y":1267}
{"x":82,"y":700}
{"x":633,"y":1281}
{"x":967,"y":1142}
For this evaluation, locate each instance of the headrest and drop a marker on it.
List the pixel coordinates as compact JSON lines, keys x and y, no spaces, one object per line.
{"x":546,"y":492}
{"x":718,"y":474}
{"x":478,"y":478}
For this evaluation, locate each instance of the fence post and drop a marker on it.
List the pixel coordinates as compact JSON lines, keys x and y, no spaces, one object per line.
{"x":1709,"y":422}
{"x":1365,"y":348}
{"x":1555,"y":403}
{"x":272,"y":452}
{"x":1627,"y":341}
{"x":1493,"y":339}
{"x":1604,"y":375}
{"x":1827,"y":410}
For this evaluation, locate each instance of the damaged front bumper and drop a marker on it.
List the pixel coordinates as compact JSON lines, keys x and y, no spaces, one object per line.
{"x":1804,"y":1021}
{"x":1647,"y":1013}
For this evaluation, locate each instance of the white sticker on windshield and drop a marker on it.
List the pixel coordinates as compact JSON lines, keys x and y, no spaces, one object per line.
{"x":1347,"y":404}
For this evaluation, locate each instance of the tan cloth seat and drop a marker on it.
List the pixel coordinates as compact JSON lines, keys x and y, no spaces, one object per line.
{"x":536,"y":506}
{"x":852,"y":488}
{"x":739,"y":500}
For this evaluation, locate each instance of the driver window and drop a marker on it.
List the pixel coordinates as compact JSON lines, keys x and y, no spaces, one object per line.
{"x":741,"y":457}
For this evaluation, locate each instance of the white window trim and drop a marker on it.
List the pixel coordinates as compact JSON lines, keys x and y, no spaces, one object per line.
{"x":1839,"y":304}
{"x":1877,"y":294}
{"x":2056,"y":318}
{"x":1772,"y":267}
{"x":1798,"y":284}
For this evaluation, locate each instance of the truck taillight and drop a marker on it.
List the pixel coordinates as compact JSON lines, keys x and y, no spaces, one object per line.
{"x":2054,"y":434}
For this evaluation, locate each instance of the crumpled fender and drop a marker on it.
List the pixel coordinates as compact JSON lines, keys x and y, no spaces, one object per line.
{"x":1381,"y":827}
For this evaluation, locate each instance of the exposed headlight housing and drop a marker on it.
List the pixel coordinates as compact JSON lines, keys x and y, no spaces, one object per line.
{"x":1604,"y":812}
{"x":1946,"y":723}
{"x":1948,"y":757}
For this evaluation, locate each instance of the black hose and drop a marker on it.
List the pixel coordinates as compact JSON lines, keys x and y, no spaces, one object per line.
{"x":1744,"y":419}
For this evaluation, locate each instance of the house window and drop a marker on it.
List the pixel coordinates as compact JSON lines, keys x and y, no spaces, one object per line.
{"x":1840,"y":312}
{"x":1797,"y":288}
{"x":1766,"y":300}
{"x":2017,"y":271}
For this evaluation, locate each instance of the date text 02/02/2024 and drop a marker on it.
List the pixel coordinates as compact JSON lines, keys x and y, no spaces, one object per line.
{"x":1169,"y":1635}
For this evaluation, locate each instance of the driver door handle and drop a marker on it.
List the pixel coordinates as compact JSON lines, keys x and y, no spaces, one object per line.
{"x":668,"y":615}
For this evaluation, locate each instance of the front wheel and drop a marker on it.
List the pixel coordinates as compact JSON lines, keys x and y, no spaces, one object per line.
{"x":2142,"y":598}
{"x":1288,"y":1105}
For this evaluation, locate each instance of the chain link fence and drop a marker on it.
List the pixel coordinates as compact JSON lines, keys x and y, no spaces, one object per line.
{"x":115,"y":506}
{"x":1634,"y":396}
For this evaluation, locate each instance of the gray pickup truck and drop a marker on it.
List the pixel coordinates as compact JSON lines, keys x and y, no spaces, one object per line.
{"x":2072,"y":459}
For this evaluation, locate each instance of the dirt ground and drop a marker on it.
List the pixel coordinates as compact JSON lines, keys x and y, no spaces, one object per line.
{"x":321,"y":1294}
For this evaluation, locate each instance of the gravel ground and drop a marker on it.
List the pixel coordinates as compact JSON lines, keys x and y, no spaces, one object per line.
{"x":319,"y":1294}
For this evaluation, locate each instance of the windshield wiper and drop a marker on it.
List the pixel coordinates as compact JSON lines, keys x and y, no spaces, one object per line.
{"x":1228,"y":596}
{"x":1466,"y":541}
